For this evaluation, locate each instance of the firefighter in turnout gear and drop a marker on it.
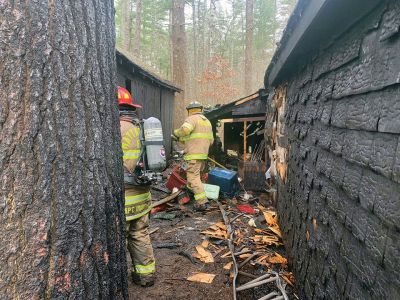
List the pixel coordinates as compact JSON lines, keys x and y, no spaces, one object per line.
{"x":137,"y":196}
{"x":196,"y":133}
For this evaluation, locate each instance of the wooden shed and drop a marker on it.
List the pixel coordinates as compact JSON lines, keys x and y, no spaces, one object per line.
{"x":240,"y":125}
{"x":155,"y":94}
{"x":237,"y":115}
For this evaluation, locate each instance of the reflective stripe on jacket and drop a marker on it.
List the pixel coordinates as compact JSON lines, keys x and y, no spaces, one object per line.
{"x":137,"y":206}
{"x":196,"y":133}
{"x":137,"y":199}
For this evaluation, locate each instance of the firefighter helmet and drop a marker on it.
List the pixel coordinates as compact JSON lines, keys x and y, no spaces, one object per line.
{"x":125,"y":98}
{"x":194,"y":104}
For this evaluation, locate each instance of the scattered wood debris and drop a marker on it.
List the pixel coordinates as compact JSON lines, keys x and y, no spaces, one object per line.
{"x":248,"y":244}
{"x":228,"y":266}
{"x":202,"y":277}
{"x":203,"y":254}
{"x":217,"y":231}
{"x":205,"y":244}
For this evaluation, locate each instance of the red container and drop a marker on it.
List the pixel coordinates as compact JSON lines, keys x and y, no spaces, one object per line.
{"x":175,"y":179}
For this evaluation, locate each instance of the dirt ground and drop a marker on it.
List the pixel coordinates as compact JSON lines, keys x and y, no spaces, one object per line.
{"x":172,"y":268}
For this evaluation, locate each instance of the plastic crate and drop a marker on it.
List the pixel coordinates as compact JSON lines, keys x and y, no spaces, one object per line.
{"x":212,"y":191}
{"x":227,"y":180}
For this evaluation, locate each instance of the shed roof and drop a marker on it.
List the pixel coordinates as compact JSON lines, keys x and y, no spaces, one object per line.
{"x":314,"y":24}
{"x":136,"y":69}
{"x":225,"y":111}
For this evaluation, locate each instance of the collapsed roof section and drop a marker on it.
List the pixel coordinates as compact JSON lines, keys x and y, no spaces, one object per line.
{"x":253,"y":104}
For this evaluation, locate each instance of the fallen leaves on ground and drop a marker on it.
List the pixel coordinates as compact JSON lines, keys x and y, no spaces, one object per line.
{"x":217,"y":231}
{"x":266,"y":240}
{"x":289,"y":278}
{"x":276,"y":230}
{"x":218,"y":226}
{"x":277,"y":259}
{"x":272,"y":220}
{"x":262,"y":240}
{"x":202,"y":277}
{"x":267,"y":259}
{"x":269,"y":215}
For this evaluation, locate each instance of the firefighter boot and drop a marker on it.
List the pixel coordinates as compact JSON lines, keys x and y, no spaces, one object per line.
{"x":143,"y":281}
{"x":200,"y":205}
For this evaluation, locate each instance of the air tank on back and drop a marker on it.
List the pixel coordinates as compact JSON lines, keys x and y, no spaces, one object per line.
{"x":155,"y":150}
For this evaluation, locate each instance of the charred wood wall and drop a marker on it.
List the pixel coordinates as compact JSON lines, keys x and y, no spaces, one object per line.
{"x":157,"y":101}
{"x":340,"y":203}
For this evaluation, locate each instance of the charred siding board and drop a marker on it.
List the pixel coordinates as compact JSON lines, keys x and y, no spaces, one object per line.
{"x":251,"y":107}
{"x":343,"y":125}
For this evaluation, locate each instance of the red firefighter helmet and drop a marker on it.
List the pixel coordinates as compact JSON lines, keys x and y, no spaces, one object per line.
{"x":125,"y":98}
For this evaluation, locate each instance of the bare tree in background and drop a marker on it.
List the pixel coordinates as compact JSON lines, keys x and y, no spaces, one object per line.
{"x":61,"y":205}
{"x":195,"y":60}
{"x":178,"y":37}
{"x":138,"y":28}
{"x":248,"y":69}
{"x":126,"y":24}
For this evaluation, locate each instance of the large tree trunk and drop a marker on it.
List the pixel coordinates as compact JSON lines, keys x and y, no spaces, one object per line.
{"x":179,"y":54}
{"x":126,"y":24}
{"x":138,"y":27}
{"x":248,"y":70}
{"x":61,"y":205}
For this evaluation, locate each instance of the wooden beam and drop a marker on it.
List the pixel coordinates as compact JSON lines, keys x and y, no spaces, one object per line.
{"x":248,"y":98}
{"x":250,"y":119}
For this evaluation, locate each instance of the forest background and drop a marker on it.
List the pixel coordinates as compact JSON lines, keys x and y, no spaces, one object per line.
{"x":215,"y":50}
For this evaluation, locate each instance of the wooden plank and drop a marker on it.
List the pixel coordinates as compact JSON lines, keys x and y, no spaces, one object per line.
{"x":248,"y":98}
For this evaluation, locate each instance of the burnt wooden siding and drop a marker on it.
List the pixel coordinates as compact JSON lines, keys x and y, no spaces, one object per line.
{"x":157,"y":101}
{"x":339,"y":204}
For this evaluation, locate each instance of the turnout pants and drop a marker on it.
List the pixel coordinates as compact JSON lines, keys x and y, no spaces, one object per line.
{"x":139,"y":246}
{"x":194,"y":180}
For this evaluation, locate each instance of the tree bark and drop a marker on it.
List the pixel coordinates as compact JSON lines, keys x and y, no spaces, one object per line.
{"x":61,"y":206}
{"x":138,"y":27}
{"x":126,"y":24}
{"x":179,"y":54}
{"x":248,"y":77}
